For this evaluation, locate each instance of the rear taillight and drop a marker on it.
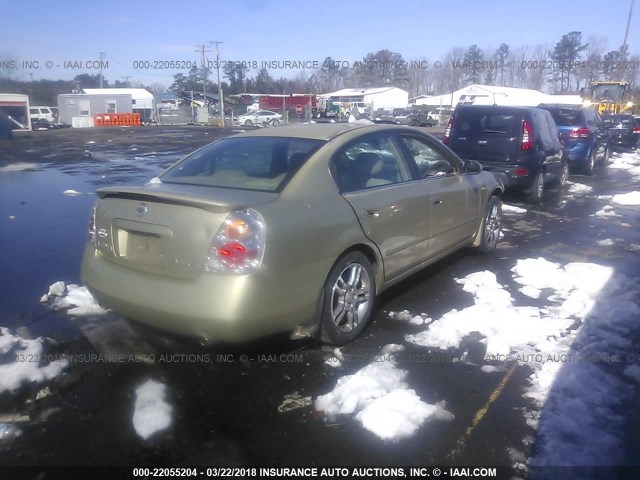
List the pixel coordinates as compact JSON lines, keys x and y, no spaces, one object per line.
{"x":238,"y":247}
{"x":636,"y":129}
{"x":579,"y":133}
{"x":521,"y":172}
{"x":92,"y":225}
{"x":447,"y":132}
{"x":527,"y":136}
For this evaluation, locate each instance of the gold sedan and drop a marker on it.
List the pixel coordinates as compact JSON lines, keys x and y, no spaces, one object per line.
{"x":295,"y":229}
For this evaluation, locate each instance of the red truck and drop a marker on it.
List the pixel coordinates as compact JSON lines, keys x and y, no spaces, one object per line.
{"x":290,"y":102}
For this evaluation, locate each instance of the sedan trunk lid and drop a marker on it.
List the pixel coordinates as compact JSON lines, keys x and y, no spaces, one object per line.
{"x":166,"y":229}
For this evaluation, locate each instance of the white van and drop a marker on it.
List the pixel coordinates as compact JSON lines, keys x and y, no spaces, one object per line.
{"x":50,"y":114}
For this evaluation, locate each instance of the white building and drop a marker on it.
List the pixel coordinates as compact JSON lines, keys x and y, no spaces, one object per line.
{"x":141,"y":99}
{"x":492,"y":95}
{"x":386,"y":98}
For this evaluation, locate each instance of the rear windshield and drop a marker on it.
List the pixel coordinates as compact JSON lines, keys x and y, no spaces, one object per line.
{"x":483,"y":123}
{"x":566,"y":117}
{"x":258,"y":163}
{"x":613,"y":120}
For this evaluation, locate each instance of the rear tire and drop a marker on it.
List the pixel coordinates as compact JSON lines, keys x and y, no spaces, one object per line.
{"x":590,"y":167}
{"x":248,"y":123}
{"x":349,"y":295}
{"x":537,"y":189}
{"x":491,"y":226}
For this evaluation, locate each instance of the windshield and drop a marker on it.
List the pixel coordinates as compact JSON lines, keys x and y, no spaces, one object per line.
{"x":614,"y":120}
{"x":567,"y":117}
{"x":258,"y":163}
{"x":479,"y":123}
{"x":607,"y":93}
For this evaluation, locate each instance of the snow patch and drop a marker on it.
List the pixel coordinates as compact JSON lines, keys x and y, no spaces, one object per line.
{"x":72,"y":192}
{"x":381,"y":401}
{"x":14,"y":373}
{"x":512,"y":209}
{"x":152,"y":413}
{"x":78,"y":300}
{"x":631,"y":198}
{"x":579,"y":188}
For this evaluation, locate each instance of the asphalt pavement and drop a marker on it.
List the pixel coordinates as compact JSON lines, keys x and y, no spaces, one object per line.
{"x":249,"y":405}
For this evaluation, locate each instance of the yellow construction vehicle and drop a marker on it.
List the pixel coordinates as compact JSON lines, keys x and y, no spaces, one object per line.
{"x":608,"y":97}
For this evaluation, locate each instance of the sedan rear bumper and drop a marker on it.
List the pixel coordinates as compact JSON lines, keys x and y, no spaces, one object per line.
{"x":227,"y":308}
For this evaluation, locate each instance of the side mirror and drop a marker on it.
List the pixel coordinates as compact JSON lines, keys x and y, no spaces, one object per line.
{"x":472,"y":167}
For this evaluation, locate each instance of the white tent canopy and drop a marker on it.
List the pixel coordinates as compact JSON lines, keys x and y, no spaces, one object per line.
{"x":492,"y":95}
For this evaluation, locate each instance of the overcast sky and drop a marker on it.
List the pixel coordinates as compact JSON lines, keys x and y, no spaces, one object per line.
{"x":271,"y":30}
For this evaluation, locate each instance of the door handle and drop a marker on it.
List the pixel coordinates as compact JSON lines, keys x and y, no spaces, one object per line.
{"x":373,"y":213}
{"x":438,"y":202}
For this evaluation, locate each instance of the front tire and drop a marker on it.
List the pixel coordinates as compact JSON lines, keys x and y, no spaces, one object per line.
{"x":491,"y":226}
{"x":349,"y":295}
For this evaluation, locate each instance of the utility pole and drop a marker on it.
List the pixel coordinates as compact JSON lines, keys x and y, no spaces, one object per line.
{"x":101,"y":57}
{"x":623,"y":53}
{"x":221,"y":99}
{"x":203,"y":50}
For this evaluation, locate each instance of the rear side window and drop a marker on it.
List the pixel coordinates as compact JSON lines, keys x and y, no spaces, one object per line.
{"x":259,"y":163}
{"x":566,"y":117}
{"x":371,"y":162}
{"x":485,"y":123}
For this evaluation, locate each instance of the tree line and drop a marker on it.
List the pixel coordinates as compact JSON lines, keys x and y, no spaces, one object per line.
{"x":565,"y":68}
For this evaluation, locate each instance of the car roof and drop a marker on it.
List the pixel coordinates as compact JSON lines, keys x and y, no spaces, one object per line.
{"x":564,"y":106}
{"x":318,"y":131}
{"x":502,"y":108}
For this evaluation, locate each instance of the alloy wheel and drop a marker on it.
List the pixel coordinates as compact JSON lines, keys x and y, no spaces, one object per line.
{"x":350,"y":297}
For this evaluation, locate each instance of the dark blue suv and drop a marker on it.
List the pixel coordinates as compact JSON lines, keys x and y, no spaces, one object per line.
{"x":583,"y":134}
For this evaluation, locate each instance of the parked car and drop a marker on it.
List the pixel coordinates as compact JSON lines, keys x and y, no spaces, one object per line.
{"x":624,"y":131}
{"x":518,"y":144}
{"x":420,"y":118}
{"x":260,"y":117}
{"x":297,"y":229}
{"x":50,"y":114}
{"x":583,"y":134}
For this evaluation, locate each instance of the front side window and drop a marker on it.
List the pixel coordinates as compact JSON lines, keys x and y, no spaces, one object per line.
{"x":260,"y":163}
{"x":430,"y":162}
{"x":371,"y":162}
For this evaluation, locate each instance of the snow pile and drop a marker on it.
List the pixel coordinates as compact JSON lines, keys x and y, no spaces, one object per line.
{"x":590,"y":395}
{"x":512,"y":209}
{"x":629,"y":162}
{"x":631,"y":198}
{"x":78,"y":300}
{"x":606,"y":212}
{"x":579,"y":188}
{"x":577,"y":346}
{"x":152,"y":413}
{"x":24,"y":364}
{"x":378,"y":396}
{"x":507,"y":329}
{"x":405,"y":316}
{"x":607,"y":242}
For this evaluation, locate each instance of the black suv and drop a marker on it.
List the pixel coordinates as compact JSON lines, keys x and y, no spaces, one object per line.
{"x":583,"y":134}
{"x":520,"y":145}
